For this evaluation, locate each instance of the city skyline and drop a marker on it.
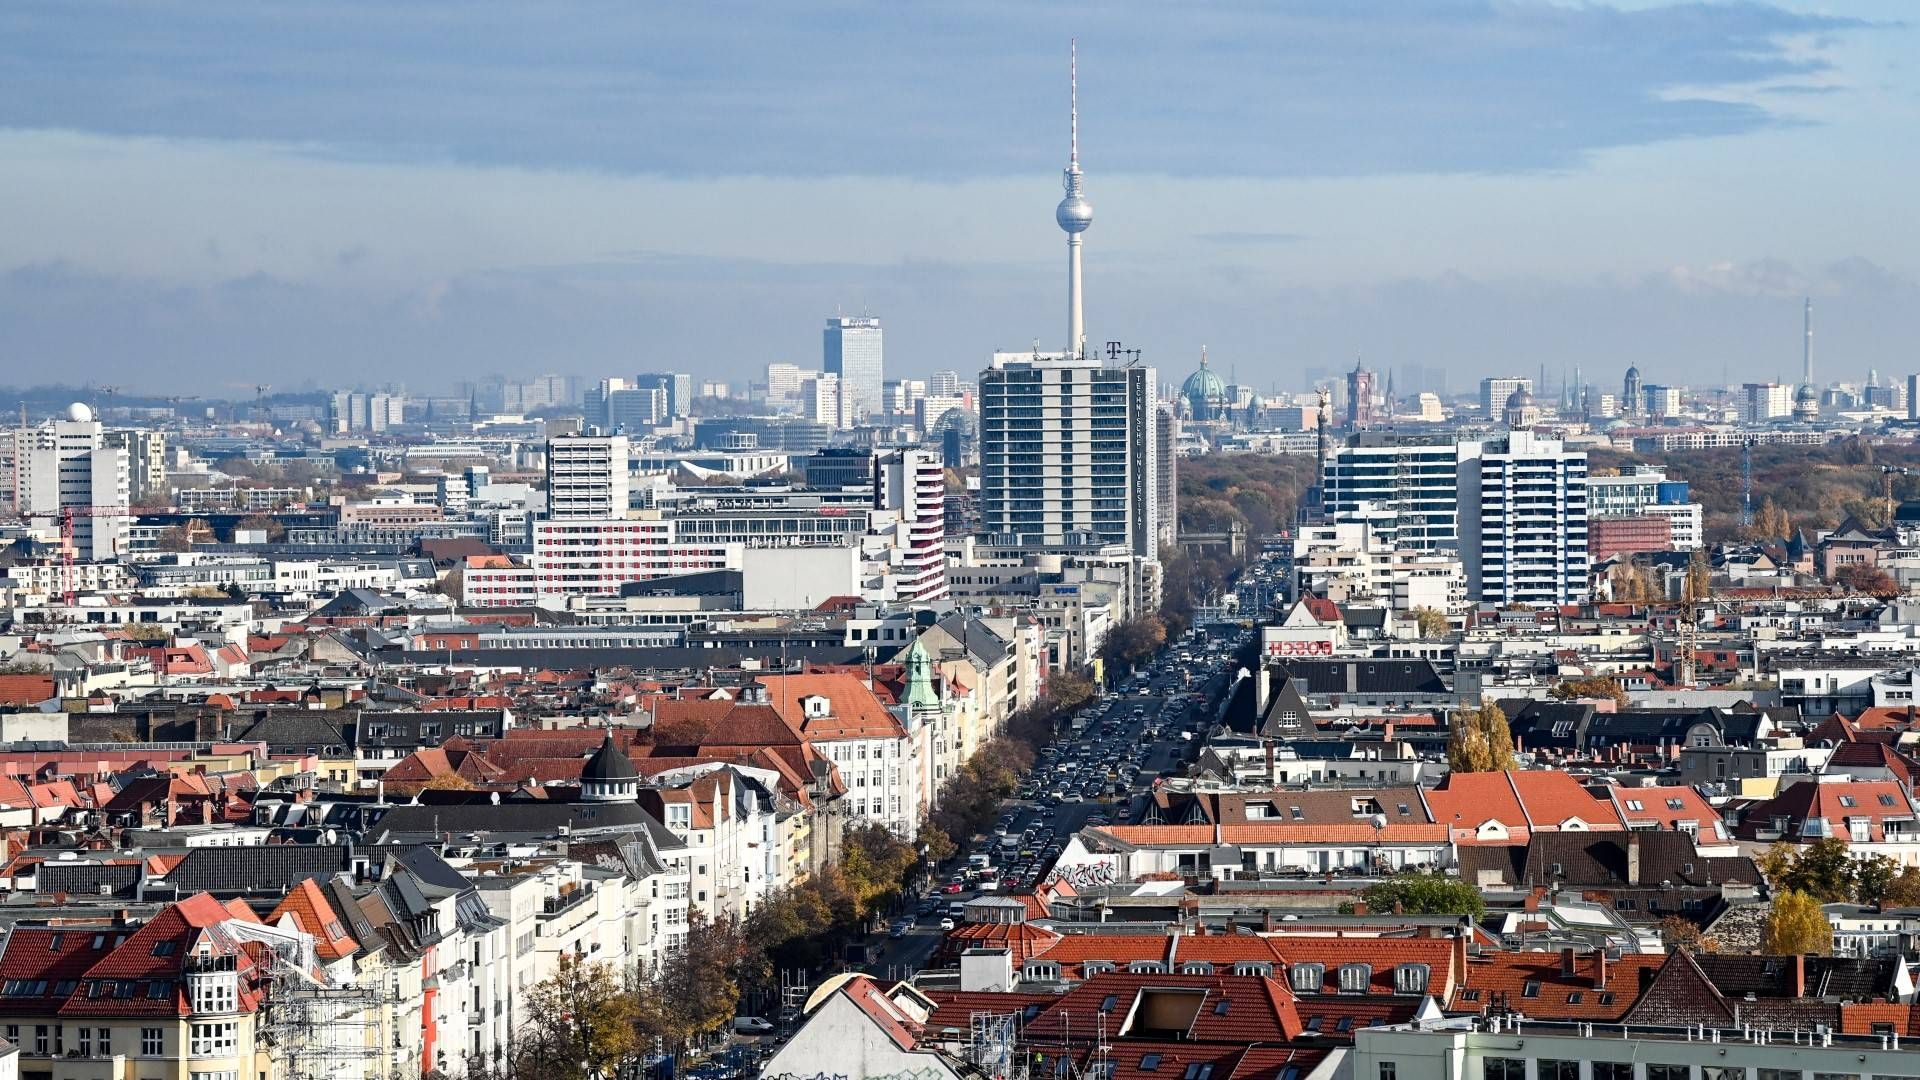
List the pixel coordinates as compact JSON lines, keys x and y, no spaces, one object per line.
{"x":1334,"y":194}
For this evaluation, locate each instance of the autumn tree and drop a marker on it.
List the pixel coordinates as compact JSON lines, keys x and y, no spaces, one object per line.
{"x":1903,"y":891}
{"x":1132,"y":642}
{"x":1680,"y":932}
{"x":1796,"y":927}
{"x":1699,"y":576}
{"x":1479,"y":740}
{"x":173,"y":538}
{"x":447,"y":781}
{"x":275,"y":531}
{"x":700,"y":981}
{"x":584,"y":1015}
{"x":1861,"y":578}
{"x":1431,"y":622}
{"x":1598,"y":686}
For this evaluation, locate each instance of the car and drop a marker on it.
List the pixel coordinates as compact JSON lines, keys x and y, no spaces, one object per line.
{"x":947,"y":923}
{"x":899,"y":928}
{"x":928,"y":906}
{"x":951,"y":887}
{"x":752,"y":1025}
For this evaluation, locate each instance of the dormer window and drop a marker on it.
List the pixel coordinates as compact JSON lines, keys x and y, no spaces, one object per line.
{"x":1307,"y":978}
{"x":814,"y":706}
{"x":1355,"y":977}
{"x":1253,"y":967}
{"x":1411,"y":978}
{"x":1196,"y":967}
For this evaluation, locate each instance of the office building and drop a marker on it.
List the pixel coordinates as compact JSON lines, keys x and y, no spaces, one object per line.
{"x":146,"y":464}
{"x":678,"y":388}
{"x":1646,"y":492}
{"x":1495,"y":390}
{"x":634,"y":409}
{"x":587,"y":477}
{"x":1410,"y":493}
{"x":355,"y":412}
{"x":1661,"y":401}
{"x":1166,"y":452}
{"x":851,"y":349}
{"x":944,"y":382}
{"x":68,"y":477}
{"x":912,"y":484}
{"x":1069,"y":452}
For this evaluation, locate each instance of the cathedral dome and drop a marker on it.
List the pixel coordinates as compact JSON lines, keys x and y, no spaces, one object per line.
{"x":1204,"y":392}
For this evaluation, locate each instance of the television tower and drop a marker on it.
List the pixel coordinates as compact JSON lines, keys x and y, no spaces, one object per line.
{"x":1075,"y":213}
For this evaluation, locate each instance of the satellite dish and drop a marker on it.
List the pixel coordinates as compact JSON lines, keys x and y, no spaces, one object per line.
{"x":1379,"y":821}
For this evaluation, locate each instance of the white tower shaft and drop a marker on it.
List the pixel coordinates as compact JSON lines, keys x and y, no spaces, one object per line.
{"x":1074,"y":213}
{"x":1806,"y":346}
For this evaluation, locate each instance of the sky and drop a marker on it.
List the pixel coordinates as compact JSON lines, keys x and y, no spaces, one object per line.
{"x":199,"y":195}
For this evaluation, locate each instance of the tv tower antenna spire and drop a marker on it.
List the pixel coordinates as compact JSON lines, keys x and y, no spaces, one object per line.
{"x":1074,"y":213}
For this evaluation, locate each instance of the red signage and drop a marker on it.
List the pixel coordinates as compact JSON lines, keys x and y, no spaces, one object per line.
{"x":1299,"y":648}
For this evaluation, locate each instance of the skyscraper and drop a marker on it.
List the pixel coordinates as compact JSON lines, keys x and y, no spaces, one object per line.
{"x":679,"y":389}
{"x":851,"y":350}
{"x":1070,"y":447}
{"x":587,"y":477}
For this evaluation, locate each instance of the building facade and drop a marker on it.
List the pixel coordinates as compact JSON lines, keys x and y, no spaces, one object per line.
{"x":851,"y":349}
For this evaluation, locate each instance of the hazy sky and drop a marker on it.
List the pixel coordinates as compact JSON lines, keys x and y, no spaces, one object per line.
{"x":215,"y":192}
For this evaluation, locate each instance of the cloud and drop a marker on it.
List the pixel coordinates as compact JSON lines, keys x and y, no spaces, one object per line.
{"x":867,"y":87}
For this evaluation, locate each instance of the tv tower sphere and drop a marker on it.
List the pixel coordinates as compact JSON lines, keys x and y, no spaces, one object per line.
{"x":1075,"y":213}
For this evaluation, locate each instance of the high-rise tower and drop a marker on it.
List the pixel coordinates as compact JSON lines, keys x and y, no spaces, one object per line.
{"x":1806,"y":401}
{"x":1074,"y":213}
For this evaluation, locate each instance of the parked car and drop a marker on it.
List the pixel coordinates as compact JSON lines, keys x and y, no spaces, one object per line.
{"x":947,"y":923}
{"x":752,"y":1025}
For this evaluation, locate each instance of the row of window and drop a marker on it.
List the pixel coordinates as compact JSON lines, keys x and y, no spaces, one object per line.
{"x":1505,"y":1068}
{"x":51,"y":1040}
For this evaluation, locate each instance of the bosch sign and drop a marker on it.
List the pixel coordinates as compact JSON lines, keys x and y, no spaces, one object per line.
{"x":1299,"y":648}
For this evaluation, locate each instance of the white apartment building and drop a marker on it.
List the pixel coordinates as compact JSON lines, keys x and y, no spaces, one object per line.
{"x":728,"y":816}
{"x":1069,"y":448}
{"x":66,"y":471}
{"x":1349,"y":561}
{"x":587,"y":477}
{"x":783,"y":382}
{"x":1528,"y":542}
{"x":1763,"y":402}
{"x":885,"y":757}
{"x":914,"y":484}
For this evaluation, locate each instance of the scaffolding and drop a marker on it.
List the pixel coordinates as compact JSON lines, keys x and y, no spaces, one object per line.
{"x":992,"y":1045}
{"x":321,"y":1031}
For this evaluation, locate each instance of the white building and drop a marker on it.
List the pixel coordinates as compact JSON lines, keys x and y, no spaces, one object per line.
{"x":851,"y":349}
{"x":1647,"y":491}
{"x":1069,"y":448}
{"x":783,"y":382}
{"x":1495,"y":390}
{"x":67,"y":472}
{"x":1409,"y":492}
{"x":587,"y":477}
{"x":1528,"y":542}
{"x":1766,"y":401}
{"x":823,"y":402}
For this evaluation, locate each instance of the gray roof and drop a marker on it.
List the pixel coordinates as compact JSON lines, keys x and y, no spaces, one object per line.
{"x":234,"y":871}
{"x":529,"y":819}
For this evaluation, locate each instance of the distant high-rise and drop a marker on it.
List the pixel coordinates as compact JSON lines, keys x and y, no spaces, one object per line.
{"x":1496,"y":389}
{"x":679,"y":389}
{"x":852,"y":350}
{"x":1806,"y":401}
{"x":1075,"y":213}
{"x":944,"y":383}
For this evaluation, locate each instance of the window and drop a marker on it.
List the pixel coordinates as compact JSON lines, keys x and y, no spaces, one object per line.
{"x":85,"y":1043}
{"x":1558,"y":1070}
{"x":1845,"y":800}
{"x":1723,"y":1072}
{"x":106,"y":1041}
{"x":1307,"y":977}
{"x":40,"y":1039}
{"x":1530,"y":989}
{"x":1149,"y":1062}
{"x":1613,"y":1070}
{"x":1499,"y":1068}
{"x":1676,"y":804}
{"x":151,"y":1043}
{"x":1779,"y":1074}
{"x":1198,"y":1070}
{"x":228,"y":1074}
{"x":1354,"y":978}
{"x":1389,"y":1071}
{"x":214,"y":1039}
{"x":1573,"y":997}
{"x":1836,"y":1076}
{"x":1669,"y":1072}
{"x":1411,"y":979}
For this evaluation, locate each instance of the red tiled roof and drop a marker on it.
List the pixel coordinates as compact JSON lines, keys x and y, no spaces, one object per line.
{"x":307,"y":906}
{"x":1500,"y":981}
{"x":27,"y":689}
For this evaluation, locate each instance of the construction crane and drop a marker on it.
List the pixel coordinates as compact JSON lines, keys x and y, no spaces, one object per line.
{"x":1887,"y":473}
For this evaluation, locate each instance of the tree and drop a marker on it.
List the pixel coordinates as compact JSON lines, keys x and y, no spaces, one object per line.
{"x":1796,"y":927}
{"x":1823,"y":870}
{"x":1699,"y":576}
{"x":1479,"y":740}
{"x":1771,"y":522}
{"x":447,"y":781}
{"x":875,"y":865}
{"x":583,"y":1013}
{"x":1424,"y":894}
{"x":1132,"y":642}
{"x":275,"y":531}
{"x":1598,"y":686}
{"x":936,"y":845}
{"x":173,"y":538}
{"x":700,"y":982}
{"x":1861,"y":578}
{"x":1904,"y":890}
{"x":1873,"y":875}
{"x":1431,"y":622}
{"x":1776,"y":863}
{"x":1680,"y":932}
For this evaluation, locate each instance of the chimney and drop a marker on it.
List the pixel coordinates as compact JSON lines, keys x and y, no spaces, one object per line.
{"x":1532,"y":902}
{"x":1633,"y":858}
{"x":1799,"y":975}
{"x":1270,"y":765}
{"x":1566,"y":962}
{"x":1600,"y":968}
{"x":1359,"y":907}
{"x":1387,"y":732}
{"x":1460,"y":953}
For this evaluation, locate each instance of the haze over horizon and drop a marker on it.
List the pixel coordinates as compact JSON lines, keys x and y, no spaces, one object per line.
{"x":200,"y":195}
